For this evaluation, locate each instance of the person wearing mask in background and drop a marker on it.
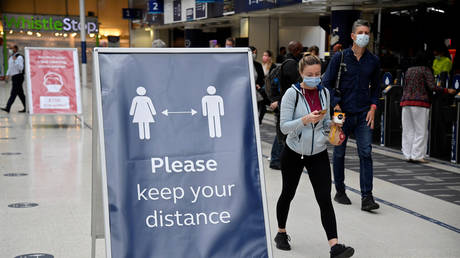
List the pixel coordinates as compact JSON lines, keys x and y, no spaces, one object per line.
{"x":229,"y":43}
{"x":415,"y":102}
{"x":281,"y":55}
{"x":16,"y":72}
{"x":267,"y":62}
{"x":259,"y":78}
{"x":290,"y":75}
{"x":358,"y":101}
{"x":305,"y":119}
{"x":441,"y":63}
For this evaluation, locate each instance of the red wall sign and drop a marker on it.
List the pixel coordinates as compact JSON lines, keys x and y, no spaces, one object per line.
{"x":53,"y":81}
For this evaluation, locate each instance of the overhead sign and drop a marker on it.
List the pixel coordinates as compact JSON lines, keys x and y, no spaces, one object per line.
{"x":155,"y":7}
{"x":53,"y":80}
{"x":280,"y":3}
{"x":132,"y":13}
{"x":242,"y":6}
{"x":209,"y":1}
{"x":181,"y":159}
{"x":18,"y":22}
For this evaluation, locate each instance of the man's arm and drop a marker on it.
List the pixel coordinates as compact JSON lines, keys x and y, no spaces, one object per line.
{"x":375,"y":84}
{"x":260,"y":74}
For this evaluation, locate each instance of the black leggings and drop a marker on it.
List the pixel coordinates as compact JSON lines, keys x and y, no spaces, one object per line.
{"x":319,"y":172}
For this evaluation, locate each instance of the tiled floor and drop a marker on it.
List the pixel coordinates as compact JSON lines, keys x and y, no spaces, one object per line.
{"x":55,"y":154}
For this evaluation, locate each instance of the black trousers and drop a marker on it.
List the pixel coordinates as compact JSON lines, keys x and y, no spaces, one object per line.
{"x":319,"y":172}
{"x":16,"y":90}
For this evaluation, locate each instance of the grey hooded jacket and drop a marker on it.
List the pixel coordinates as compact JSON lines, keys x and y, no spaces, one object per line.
{"x":307,"y":139}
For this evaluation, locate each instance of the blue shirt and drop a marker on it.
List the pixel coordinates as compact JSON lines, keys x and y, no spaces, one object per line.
{"x":359,"y":84}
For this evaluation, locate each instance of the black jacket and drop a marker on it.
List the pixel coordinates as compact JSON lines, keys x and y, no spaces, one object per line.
{"x":260,"y":73}
{"x":290,"y":75}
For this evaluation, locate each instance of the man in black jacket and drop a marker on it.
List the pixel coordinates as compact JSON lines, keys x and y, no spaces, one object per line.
{"x":289,"y":75}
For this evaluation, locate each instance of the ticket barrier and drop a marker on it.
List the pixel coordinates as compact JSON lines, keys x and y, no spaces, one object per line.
{"x":391,"y":118}
{"x":443,"y":120}
{"x":455,"y":146}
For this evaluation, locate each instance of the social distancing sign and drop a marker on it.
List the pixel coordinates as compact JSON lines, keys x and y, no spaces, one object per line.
{"x":53,"y":81}
{"x":180,"y":153}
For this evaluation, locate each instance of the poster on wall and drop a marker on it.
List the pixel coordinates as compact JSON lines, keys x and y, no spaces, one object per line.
{"x":177,"y":10}
{"x":200,"y":11}
{"x":229,"y":7}
{"x":53,"y":80}
{"x":189,"y":14}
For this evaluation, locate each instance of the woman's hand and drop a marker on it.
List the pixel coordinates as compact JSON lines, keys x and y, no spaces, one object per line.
{"x":313,"y":117}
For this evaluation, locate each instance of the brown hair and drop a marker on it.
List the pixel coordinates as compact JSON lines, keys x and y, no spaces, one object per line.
{"x":308,"y":60}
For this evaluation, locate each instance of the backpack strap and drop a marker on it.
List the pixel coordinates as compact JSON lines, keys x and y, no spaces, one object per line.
{"x":339,"y":73}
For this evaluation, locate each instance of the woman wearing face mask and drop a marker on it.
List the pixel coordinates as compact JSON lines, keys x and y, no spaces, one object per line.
{"x":305,"y":119}
{"x":267,"y":63}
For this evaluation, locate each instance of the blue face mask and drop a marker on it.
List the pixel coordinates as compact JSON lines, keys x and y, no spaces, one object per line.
{"x":362,"y":40}
{"x":312,"y":81}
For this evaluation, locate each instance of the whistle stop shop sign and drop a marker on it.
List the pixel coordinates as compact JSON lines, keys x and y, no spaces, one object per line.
{"x":182,"y":158}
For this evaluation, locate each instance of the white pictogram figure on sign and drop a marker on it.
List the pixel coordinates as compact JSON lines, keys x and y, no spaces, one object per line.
{"x":143,"y":111}
{"x":213,"y":108}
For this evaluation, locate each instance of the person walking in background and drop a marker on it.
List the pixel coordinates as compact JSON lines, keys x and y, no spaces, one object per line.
{"x":16,"y":72}
{"x":281,"y":55}
{"x":277,"y":147}
{"x":305,"y":118}
{"x":259,"y":78}
{"x":418,"y":85}
{"x":358,"y":101}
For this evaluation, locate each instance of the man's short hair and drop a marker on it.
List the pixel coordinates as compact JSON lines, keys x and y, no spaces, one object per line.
{"x":16,"y":47}
{"x":358,"y":23}
{"x":231,"y":40}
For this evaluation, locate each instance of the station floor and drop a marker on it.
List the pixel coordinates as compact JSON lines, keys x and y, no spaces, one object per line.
{"x":46,"y":160}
